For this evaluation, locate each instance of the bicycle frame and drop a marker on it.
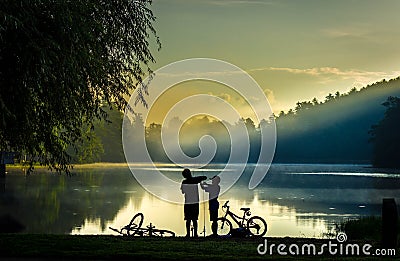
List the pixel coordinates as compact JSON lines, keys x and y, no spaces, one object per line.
{"x":253,"y":226}
{"x":134,"y":229}
{"x":240,"y":221}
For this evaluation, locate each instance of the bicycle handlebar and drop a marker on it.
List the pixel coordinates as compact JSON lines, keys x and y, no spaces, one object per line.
{"x":226,"y":204}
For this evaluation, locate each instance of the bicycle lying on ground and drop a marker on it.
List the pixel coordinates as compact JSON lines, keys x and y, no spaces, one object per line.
{"x":134,"y":228}
{"x":252,"y":226}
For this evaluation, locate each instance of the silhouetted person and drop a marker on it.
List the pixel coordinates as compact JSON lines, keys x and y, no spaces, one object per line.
{"x":190,"y":189}
{"x":213,"y":190}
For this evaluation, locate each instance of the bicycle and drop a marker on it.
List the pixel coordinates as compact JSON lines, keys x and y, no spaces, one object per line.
{"x":134,"y":228}
{"x":253,"y":226}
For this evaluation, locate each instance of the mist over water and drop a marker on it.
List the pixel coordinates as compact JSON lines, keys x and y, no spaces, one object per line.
{"x":295,"y":199}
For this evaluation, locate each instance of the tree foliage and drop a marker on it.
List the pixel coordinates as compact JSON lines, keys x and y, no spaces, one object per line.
{"x":61,"y":62}
{"x":385,"y":136}
{"x":329,"y":132}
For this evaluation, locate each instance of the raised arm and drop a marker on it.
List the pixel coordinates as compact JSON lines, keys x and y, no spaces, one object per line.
{"x":199,"y":179}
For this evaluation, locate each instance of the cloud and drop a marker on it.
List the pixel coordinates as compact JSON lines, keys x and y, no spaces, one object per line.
{"x":346,"y":32}
{"x":270,"y":95}
{"x":312,"y":71}
{"x":224,"y":96}
{"x":240,"y":2}
{"x":198,"y":75}
{"x":327,"y":74}
{"x":324,"y":74}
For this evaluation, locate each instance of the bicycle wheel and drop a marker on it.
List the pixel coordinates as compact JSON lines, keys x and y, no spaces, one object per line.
{"x":163,"y":233}
{"x":224,"y":226}
{"x":134,"y":226}
{"x":257,"y":226}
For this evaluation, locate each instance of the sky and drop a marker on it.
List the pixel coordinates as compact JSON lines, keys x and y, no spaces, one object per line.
{"x":295,"y":49}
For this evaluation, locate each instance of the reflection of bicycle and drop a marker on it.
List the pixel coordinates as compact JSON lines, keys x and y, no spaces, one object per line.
{"x":255,"y":226}
{"x":134,"y":228}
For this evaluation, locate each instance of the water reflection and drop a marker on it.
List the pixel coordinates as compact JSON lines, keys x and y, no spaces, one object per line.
{"x":292,"y":202}
{"x":52,"y":203}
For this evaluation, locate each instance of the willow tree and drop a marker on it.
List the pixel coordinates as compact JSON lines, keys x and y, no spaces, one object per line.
{"x":61,"y":62}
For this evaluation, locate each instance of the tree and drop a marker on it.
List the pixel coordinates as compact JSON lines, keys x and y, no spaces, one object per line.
{"x":154,"y":143}
{"x":300,"y":106}
{"x":353,"y":90}
{"x":291,"y":112}
{"x":385,"y":136}
{"x":329,"y":97}
{"x":61,"y":61}
{"x":110,"y":137}
{"x":89,"y":150}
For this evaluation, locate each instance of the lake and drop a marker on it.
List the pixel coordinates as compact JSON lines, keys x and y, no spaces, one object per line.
{"x":296,"y":200}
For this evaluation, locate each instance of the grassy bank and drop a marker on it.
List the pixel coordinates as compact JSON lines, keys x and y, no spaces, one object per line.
{"x":118,"y":247}
{"x":366,"y":228}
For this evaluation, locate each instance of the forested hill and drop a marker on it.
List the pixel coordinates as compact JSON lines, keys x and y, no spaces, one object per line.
{"x":335,"y":131}
{"x":332,"y":131}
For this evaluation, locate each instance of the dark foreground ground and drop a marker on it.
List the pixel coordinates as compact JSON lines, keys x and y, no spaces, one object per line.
{"x":27,"y":246}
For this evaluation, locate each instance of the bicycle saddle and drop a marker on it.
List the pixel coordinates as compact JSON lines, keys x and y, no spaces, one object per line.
{"x":245,"y":209}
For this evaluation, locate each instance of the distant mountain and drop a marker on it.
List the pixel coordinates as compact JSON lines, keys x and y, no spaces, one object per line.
{"x":335,"y":131}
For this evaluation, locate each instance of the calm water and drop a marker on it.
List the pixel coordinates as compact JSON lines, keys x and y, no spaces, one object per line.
{"x":296,"y":200}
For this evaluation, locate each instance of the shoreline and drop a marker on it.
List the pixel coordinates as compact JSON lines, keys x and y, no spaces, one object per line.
{"x":107,"y":247}
{"x":125,"y":164}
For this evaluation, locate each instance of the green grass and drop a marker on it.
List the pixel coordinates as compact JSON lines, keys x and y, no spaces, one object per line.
{"x":118,"y":247}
